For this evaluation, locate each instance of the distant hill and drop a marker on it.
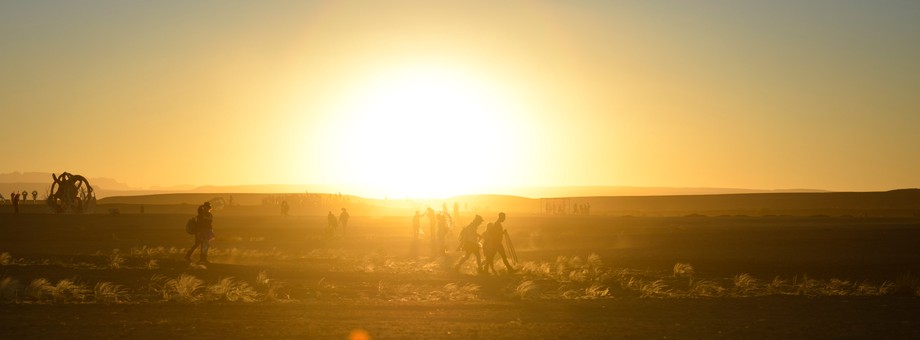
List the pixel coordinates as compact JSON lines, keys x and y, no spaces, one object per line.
{"x":45,"y":179}
{"x":106,"y":187}
{"x":584,"y":191}
{"x":905,"y":203}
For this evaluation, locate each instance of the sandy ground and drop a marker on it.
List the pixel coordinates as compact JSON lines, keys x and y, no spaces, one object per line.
{"x":750,"y":318}
{"x":377,"y":279}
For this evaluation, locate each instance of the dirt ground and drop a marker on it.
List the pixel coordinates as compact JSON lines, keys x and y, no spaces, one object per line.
{"x":580,"y":277}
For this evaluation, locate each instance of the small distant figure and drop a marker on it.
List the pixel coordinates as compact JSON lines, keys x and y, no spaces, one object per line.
{"x":333,"y":224}
{"x":417,"y":225}
{"x":492,"y":244}
{"x":469,"y":243}
{"x":343,"y":220}
{"x":285,"y":208}
{"x":444,"y":225}
{"x":203,"y":235}
{"x":432,"y":222}
{"x":15,"y":199}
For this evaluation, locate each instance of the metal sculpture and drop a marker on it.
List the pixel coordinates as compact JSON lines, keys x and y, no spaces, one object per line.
{"x":217,"y":203}
{"x":71,"y":193}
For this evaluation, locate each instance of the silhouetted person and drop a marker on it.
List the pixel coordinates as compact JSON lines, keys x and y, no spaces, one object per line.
{"x":432,"y":221}
{"x":492,"y":244}
{"x":469,"y":243}
{"x":15,"y":200}
{"x":445,"y":223}
{"x":204,"y":234}
{"x":343,"y":220}
{"x":285,"y":208}
{"x":417,"y":225}
{"x":333,"y":224}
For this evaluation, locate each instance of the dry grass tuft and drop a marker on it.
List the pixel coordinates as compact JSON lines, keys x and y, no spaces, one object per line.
{"x":745,"y":284}
{"x":594,"y":261}
{"x":683,"y":270}
{"x":525,"y":290}
{"x":116,"y":260}
{"x":107,"y":292}
{"x":704,"y":288}
{"x":272,"y":288}
{"x":230,"y":289}
{"x":39,"y":290}
{"x":776,"y":286}
{"x":597,"y":291}
{"x":655,"y":288}
{"x":461,"y":292}
{"x":806,"y":286}
{"x":185,"y":288}
{"x":68,"y":291}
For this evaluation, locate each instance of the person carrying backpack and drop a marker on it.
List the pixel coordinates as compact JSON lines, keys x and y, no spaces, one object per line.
{"x":469,"y":243}
{"x":492,"y":244}
{"x":204,"y":233}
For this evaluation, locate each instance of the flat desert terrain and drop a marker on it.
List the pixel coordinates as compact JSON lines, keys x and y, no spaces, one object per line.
{"x":124,"y":276}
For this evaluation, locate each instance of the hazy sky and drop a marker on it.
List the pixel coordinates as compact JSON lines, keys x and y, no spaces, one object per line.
{"x":433,"y":97}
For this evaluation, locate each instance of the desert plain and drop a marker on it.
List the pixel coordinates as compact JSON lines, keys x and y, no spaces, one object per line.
{"x":829,"y":270}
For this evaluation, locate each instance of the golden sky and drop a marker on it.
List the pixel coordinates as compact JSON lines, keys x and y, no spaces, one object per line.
{"x":440,"y":98}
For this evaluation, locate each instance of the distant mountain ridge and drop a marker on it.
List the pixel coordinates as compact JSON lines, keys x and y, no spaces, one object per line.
{"x":587,"y":191}
{"x":105,"y":187}
{"x":45,"y":177}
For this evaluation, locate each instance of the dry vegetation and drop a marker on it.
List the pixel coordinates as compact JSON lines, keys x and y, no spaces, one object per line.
{"x":128,"y":261}
{"x":566,"y":278}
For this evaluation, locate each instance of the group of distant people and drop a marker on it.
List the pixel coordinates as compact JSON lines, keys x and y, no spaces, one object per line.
{"x":486,"y":245}
{"x":16,"y":198}
{"x":337,"y":223}
{"x":439,"y":223}
{"x":492,"y":244}
{"x":560,"y":207}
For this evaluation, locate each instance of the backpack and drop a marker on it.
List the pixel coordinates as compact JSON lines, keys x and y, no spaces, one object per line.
{"x":191,"y":227}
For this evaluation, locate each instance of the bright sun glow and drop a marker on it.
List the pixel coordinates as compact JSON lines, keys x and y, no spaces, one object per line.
{"x":426,"y":132}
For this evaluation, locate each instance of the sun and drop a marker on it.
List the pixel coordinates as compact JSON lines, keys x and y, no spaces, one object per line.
{"x":426,"y":131}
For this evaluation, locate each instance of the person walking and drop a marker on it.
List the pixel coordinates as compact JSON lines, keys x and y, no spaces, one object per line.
{"x":203,"y":235}
{"x":333,"y":224}
{"x":16,"y":200}
{"x":343,"y":220}
{"x":469,"y":243}
{"x":492,"y":244}
{"x":445,"y":223}
{"x":417,"y":225}
{"x":432,"y":222}
{"x":285,"y":208}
